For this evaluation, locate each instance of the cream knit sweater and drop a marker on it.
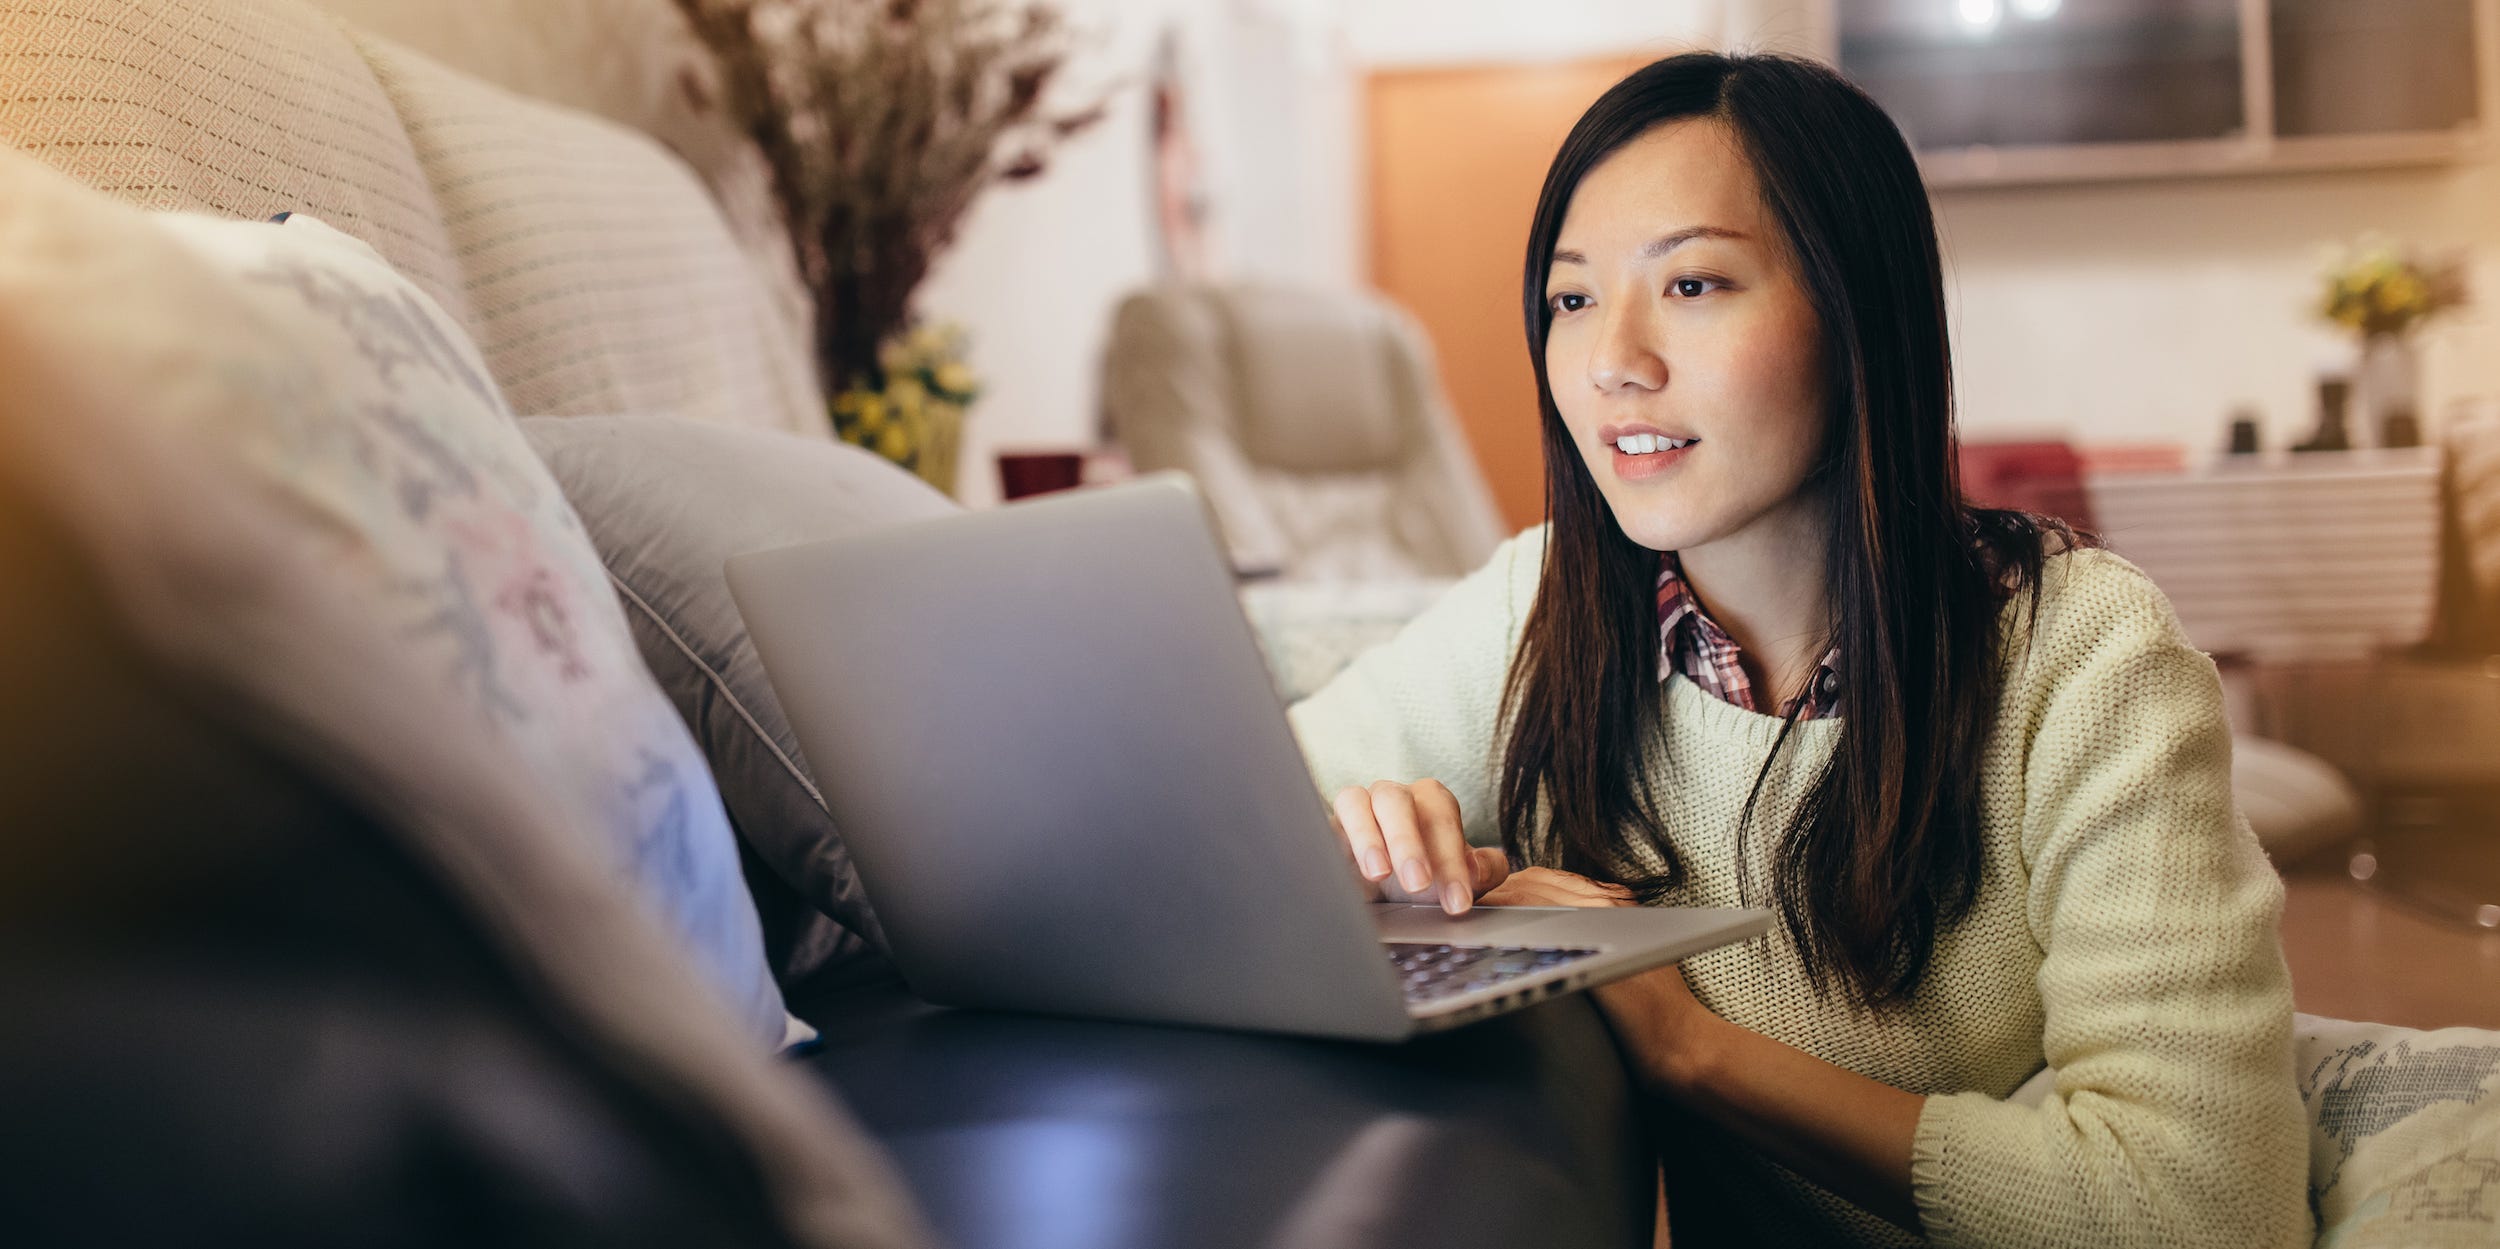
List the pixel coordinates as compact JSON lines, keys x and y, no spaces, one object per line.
{"x":2124,"y":932}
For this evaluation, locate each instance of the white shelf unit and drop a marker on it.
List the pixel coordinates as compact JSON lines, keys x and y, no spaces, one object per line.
{"x":2316,"y":556}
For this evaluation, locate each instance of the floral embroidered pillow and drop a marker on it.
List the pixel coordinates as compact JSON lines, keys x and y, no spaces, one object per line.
{"x":2404,"y":1139}
{"x":355,"y":401}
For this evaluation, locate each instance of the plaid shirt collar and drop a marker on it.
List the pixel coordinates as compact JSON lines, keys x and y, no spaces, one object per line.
{"x":1690,"y":642}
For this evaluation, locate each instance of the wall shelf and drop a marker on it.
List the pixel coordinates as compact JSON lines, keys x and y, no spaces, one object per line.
{"x":2029,"y":101}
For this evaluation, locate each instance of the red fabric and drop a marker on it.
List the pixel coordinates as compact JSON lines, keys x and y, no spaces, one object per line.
{"x":2040,"y":477}
{"x":1690,"y":642}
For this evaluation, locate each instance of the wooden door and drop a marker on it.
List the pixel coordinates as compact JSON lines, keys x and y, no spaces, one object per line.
{"x":1457,"y":157}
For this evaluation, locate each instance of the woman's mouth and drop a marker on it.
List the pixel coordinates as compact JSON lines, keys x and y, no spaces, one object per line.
{"x":1646,"y":455}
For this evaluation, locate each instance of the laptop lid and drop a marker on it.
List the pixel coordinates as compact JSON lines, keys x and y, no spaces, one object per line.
{"x":1054,"y":751}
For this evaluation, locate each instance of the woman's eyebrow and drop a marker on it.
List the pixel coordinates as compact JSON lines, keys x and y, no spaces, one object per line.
{"x":1663,"y":244}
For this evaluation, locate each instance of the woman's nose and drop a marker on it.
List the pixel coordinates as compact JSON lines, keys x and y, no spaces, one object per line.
{"x":1627,"y":354}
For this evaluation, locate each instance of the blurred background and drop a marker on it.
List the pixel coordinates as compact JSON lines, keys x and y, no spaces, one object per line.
{"x":2132,"y":255}
{"x":2212,"y":265}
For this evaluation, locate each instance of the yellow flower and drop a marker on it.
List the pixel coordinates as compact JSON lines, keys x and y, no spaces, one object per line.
{"x":905,"y":393}
{"x":955,"y":379}
{"x":872,"y":413}
{"x":894,"y":357}
{"x":2400,"y":294}
{"x":895,"y":443}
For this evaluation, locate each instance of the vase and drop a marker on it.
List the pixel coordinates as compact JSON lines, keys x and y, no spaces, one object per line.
{"x":941,"y":442}
{"x":2390,"y":386}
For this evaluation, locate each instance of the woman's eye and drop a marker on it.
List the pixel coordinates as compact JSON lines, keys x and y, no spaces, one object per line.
{"x":1568,"y":301}
{"x":1693,"y":288}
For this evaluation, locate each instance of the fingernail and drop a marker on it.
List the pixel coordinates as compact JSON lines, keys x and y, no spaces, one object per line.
{"x":1375,"y":863}
{"x":1455,"y":898}
{"x":1411,"y":874}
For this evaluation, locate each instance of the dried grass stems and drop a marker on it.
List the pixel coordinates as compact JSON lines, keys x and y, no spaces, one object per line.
{"x":883,"y":120}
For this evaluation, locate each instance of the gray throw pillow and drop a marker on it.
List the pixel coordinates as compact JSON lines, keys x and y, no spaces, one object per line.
{"x":668,"y":501}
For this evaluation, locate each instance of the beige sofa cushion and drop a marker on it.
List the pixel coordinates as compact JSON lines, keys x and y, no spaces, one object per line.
{"x":600,"y":276}
{"x":635,"y":62}
{"x":243,"y":108}
{"x":598,"y":273}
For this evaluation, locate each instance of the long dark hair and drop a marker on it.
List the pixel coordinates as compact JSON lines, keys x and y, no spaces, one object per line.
{"x":1884,"y":851}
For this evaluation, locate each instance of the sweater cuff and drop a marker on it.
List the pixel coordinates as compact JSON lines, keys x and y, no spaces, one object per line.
{"x":1931,"y":1147}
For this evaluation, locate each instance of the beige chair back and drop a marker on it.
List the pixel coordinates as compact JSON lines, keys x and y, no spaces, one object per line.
{"x":1314,"y":422}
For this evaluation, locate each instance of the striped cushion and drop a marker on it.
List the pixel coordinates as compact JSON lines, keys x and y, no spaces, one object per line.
{"x":600,"y":276}
{"x":634,"y":62}
{"x":243,"y":108}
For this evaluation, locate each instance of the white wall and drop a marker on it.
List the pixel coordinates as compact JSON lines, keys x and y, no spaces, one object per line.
{"x":1038,"y":267}
{"x":2144,"y":312}
{"x":1416,"y":33}
{"x":1421,"y":33}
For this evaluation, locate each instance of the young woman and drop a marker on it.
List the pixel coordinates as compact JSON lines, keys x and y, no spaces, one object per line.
{"x":1764,"y":653}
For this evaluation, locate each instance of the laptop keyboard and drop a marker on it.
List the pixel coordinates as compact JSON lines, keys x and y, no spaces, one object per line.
{"x":1430,"y":971}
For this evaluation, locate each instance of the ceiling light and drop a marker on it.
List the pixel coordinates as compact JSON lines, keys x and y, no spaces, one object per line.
{"x":1981,"y":16}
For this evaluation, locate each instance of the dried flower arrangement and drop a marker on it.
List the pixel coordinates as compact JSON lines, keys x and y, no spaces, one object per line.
{"x":882,"y":121}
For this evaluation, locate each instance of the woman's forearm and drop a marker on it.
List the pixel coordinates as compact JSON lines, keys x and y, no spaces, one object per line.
{"x":1848,"y":1133}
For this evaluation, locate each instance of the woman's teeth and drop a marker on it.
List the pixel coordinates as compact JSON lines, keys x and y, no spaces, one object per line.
{"x":1643,"y":444}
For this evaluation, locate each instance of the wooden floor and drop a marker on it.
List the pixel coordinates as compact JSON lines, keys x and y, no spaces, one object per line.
{"x":2407,"y":947}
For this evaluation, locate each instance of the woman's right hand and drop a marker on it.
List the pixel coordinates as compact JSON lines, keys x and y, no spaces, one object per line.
{"x":1407,"y":841}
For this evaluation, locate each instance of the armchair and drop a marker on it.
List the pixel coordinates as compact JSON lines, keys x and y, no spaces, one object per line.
{"x":1313,"y":421}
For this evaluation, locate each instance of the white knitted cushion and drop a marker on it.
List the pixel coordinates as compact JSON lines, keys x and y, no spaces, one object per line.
{"x":1310,"y":630}
{"x":2404,"y":1139}
{"x":599,"y":274}
{"x":634,"y":62}
{"x":244,"y":108}
{"x":335,"y":390}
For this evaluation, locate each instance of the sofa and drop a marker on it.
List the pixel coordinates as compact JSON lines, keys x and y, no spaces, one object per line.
{"x":344,"y":904}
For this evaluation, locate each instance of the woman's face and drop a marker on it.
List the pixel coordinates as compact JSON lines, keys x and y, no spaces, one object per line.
{"x":1683,"y":353}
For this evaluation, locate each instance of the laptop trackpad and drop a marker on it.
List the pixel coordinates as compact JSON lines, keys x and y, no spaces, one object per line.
{"x":1484,"y":925}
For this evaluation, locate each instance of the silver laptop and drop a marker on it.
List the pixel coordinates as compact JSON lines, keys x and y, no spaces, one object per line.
{"x":1051,"y":744}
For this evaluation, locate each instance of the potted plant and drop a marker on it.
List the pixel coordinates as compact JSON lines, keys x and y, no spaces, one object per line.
{"x":2383,"y":296}
{"x":883,"y":120}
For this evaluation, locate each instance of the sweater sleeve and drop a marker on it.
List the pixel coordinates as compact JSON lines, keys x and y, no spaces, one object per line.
{"x":2174,"y":1121}
{"x":1427,"y":703}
